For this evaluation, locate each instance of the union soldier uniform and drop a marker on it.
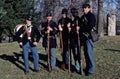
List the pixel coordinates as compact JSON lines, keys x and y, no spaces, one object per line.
{"x":74,"y":38}
{"x":88,"y":22}
{"x":28,"y":37}
{"x":65,"y":24}
{"x":52,"y":25}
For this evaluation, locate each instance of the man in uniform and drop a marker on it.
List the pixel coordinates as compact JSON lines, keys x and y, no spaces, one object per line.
{"x":26,"y":38}
{"x":64,"y":25}
{"x":88,"y":22}
{"x":50,"y":27}
{"x":74,"y":38}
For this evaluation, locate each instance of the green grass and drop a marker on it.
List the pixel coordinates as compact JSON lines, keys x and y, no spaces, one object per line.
{"x":107,"y":59}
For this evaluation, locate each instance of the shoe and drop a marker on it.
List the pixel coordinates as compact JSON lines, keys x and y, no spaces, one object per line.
{"x":67,"y":66}
{"x":87,"y":73}
{"x":77,"y":71}
{"x":36,"y":71}
{"x":26,"y":72}
{"x":54,"y":70}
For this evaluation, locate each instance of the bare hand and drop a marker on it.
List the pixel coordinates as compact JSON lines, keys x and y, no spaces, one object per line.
{"x":69,"y":29}
{"x":20,"y":43}
{"x":49,"y":28}
{"x":35,"y":43}
{"x":68,"y":25}
{"x":77,"y":29}
{"x":48,"y":31}
{"x":60,"y":28}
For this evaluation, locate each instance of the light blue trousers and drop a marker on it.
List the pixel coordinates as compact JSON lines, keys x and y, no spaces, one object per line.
{"x":26,"y":48}
{"x":89,"y":56}
{"x":52,"y":57}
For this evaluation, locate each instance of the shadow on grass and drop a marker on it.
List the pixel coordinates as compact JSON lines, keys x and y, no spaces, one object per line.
{"x":44,"y":57}
{"x":13,"y":59}
{"x":17,"y":60}
{"x":113,"y":50}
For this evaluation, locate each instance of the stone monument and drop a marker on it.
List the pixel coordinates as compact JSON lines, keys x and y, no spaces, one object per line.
{"x":112,"y":24}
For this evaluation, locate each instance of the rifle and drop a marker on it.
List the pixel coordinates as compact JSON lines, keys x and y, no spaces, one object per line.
{"x":69,"y":52}
{"x":49,"y":68}
{"x":61,"y":40}
{"x":61,"y":43}
{"x":69,"y":55}
{"x":79,"y":49}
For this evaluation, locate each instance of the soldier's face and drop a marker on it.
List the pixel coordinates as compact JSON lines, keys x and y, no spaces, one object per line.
{"x":86,"y":10}
{"x":49,"y":18}
{"x":28,"y":22}
{"x":64,"y":15}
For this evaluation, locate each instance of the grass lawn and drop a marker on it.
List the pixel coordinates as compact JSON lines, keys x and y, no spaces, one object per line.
{"x":107,"y":59}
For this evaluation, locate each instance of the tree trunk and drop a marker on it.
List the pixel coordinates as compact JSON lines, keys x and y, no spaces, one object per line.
{"x":100,"y":18}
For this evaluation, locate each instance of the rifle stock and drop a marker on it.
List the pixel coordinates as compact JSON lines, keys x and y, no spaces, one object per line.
{"x":69,"y":50}
{"x":69,"y":54}
{"x":48,"y":36}
{"x":61,"y":41}
{"x":79,"y":48}
{"x":49,"y":68}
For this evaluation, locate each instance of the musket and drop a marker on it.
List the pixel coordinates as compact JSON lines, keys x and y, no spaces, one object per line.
{"x":61,"y":43}
{"x":69,"y":56}
{"x":79,"y":49}
{"x":48,"y":35}
{"x":69,"y":51}
{"x":61,"y":39}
